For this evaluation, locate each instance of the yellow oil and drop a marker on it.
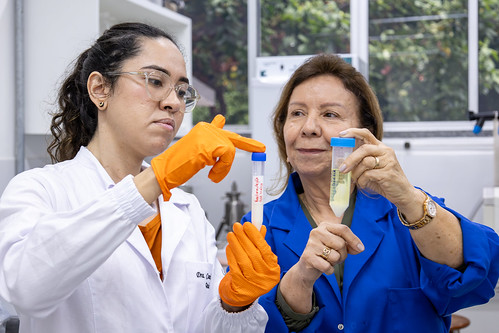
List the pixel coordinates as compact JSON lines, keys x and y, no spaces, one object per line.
{"x":339,"y":191}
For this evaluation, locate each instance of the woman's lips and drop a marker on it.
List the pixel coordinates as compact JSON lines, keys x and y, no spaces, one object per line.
{"x":310,"y":150}
{"x":168,"y":124}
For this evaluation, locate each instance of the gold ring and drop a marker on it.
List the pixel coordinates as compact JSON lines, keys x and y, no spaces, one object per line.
{"x":325,"y":253}
{"x":376,"y":162}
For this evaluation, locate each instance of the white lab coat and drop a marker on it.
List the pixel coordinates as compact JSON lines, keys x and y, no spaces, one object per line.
{"x":73,"y":259}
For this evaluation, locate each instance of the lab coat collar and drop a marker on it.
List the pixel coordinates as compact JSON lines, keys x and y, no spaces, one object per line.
{"x":174,"y":220}
{"x":369,"y":224}
{"x":174,"y":216}
{"x":293,"y":220}
{"x":290,"y":215}
{"x":85,"y":158}
{"x":288,"y":205}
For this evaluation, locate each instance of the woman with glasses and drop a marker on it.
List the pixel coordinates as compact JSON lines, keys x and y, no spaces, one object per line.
{"x":102,"y":241}
{"x":393,"y":258}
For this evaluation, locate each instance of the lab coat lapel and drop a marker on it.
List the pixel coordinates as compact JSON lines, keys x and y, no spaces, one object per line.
{"x":299,"y":229}
{"x":297,"y":240}
{"x":174,"y":224}
{"x":291,"y":218}
{"x":367,"y":226}
{"x":137,"y":241}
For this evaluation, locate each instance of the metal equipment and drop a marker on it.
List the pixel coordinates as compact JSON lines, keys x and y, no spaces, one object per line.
{"x":234,"y":211}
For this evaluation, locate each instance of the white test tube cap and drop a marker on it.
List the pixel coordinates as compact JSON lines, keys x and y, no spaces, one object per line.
{"x":259,"y":157}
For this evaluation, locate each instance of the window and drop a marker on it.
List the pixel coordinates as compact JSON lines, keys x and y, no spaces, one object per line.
{"x":418,"y":59}
{"x":304,"y":27}
{"x":488,"y":55}
{"x":417,"y":51}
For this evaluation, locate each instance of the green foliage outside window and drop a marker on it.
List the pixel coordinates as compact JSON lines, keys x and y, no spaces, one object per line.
{"x":419,"y":59}
{"x":488,"y":56}
{"x":219,"y":46}
{"x":296,"y":27}
{"x":418,"y":51}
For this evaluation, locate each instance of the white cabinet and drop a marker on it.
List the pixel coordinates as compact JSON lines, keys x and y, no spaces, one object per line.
{"x":57,"y":31}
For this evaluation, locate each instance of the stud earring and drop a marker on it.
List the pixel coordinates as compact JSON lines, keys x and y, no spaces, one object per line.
{"x":101,"y":104}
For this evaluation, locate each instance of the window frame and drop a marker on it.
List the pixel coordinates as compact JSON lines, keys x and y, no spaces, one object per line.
{"x":359,"y":45}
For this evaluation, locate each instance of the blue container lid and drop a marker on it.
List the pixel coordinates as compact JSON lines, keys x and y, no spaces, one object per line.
{"x":477,"y":129}
{"x":343,"y":142}
{"x":258,"y":157}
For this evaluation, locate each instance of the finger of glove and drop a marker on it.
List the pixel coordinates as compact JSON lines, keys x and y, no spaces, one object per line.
{"x":193,"y":148}
{"x":270,"y":257}
{"x":244,"y":143}
{"x":241,"y":256}
{"x":232,"y":261}
{"x":247,"y":287}
{"x":234,"y":293}
{"x":223,"y":165}
{"x":237,"y":276}
{"x":258,"y":239}
{"x":218,"y":121}
{"x":254,"y":245}
{"x":263,"y":231}
{"x":239,"y":141}
{"x":226,"y":290}
{"x":219,"y":151}
{"x":239,"y":289}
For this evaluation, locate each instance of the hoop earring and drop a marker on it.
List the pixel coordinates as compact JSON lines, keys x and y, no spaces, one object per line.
{"x":101,"y":104}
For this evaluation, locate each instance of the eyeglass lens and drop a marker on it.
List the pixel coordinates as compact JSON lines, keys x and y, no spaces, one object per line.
{"x":159,"y":86}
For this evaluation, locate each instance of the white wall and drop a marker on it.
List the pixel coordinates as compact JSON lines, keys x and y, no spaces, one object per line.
{"x":454,"y":168}
{"x":7,"y":102}
{"x":483,"y":318}
{"x":48,"y":50}
{"x":7,"y":92}
{"x":54,"y":36}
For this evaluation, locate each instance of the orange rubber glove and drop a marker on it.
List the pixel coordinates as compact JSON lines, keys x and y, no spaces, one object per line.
{"x":253,"y":266}
{"x":205,"y":144}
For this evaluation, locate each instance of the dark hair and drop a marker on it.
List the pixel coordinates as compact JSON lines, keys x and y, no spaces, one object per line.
{"x":75,"y":123}
{"x":328,"y":64}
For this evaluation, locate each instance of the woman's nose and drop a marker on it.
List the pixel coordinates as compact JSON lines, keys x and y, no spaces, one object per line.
{"x":171,"y":102}
{"x":311,"y":126}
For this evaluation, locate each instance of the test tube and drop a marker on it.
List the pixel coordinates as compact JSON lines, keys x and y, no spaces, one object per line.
{"x":339,"y":189}
{"x":258,"y":170}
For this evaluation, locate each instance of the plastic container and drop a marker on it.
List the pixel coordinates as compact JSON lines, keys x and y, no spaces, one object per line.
{"x":339,"y":189}
{"x":258,"y":171}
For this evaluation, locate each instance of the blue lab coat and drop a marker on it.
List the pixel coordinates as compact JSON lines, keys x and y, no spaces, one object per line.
{"x":390,"y":287}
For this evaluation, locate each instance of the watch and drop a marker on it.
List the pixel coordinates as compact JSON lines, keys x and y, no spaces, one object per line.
{"x":430,"y":211}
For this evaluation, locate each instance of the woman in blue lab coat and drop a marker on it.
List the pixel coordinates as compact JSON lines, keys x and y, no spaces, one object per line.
{"x":397,"y":260}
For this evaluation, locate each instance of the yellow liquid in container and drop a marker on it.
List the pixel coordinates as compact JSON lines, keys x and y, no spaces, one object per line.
{"x":339,"y":191}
